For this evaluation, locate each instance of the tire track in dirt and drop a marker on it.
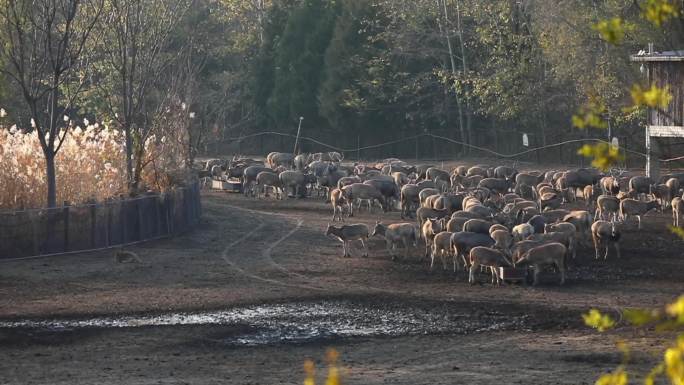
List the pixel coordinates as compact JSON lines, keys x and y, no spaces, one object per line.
{"x":267,"y":254}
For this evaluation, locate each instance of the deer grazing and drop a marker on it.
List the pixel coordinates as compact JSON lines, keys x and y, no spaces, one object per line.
{"x":349,"y":233}
{"x":397,"y":233}
{"x":550,"y":254}
{"x":487,"y":257}
{"x":636,"y":208}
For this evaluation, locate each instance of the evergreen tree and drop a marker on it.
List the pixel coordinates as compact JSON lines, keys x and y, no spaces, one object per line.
{"x":263,"y":75}
{"x":342,"y":99}
{"x":299,"y":63}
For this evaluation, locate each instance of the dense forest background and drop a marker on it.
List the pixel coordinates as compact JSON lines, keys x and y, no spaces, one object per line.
{"x":362,"y":72}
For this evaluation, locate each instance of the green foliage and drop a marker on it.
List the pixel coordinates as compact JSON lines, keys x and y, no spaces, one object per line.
{"x":358,"y":78}
{"x":342,"y":95}
{"x":264,"y":72}
{"x":509,"y":78}
{"x":299,"y":62}
{"x":380,"y":67}
{"x":660,"y":11}
{"x":591,"y":115}
{"x":612,"y":30}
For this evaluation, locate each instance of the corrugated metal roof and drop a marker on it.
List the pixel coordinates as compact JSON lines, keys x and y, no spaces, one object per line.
{"x":658,"y":56}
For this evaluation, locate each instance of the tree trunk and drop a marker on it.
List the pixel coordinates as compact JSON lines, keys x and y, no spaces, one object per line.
{"x":49,"y":149}
{"x":129,"y":157}
{"x":445,"y":30}
{"x":138,"y":168}
{"x":464,"y":66}
{"x":51,"y":178}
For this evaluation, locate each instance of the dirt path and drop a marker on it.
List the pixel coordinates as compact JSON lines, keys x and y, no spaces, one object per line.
{"x":249,"y":252}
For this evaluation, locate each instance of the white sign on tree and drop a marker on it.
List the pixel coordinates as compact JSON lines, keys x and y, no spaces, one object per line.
{"x":526,"y":140}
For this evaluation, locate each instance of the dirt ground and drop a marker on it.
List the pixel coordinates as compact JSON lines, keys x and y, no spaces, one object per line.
{"x":248,"y":252}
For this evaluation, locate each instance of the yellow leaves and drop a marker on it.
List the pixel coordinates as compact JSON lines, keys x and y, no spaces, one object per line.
{"x":623,"y":347}
{"x":640,"y":317}
{"x":655,"y":372}
{"x":619,"y":377}
{"x":598,"y":321}
{"x":603,"y":155}
{"x":612,"y":30}
{"x":590,"y":115}
{"x":659,"y":11}
{"x":674,"y":365}
{"x":333,"y":376}
{"x":678,"y":231}
{"x":676,"y":309}
{"x":310,"y":370}
{"x":331,"y":356}
{"x":653,"y":97}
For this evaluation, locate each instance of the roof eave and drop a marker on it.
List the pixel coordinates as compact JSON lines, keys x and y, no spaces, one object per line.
{"x":637,"y":58}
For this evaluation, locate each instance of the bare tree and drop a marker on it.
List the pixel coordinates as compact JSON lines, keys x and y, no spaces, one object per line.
{"x":42,"y":45}
{"x":135,"y":38}
{"x":465,"y":128}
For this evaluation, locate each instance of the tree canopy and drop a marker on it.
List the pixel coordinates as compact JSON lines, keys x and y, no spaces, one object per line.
{"x":364,"y":70}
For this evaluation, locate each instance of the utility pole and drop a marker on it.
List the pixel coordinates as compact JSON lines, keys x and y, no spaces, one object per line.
{"x":299,"y":130}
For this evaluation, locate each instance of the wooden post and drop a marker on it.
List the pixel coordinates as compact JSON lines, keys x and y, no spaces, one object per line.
{"x":108,"y":231}
{"x":624,"y":151}
{"x":34,"y":230}
{"x":93,"y":224}
{"x":648,"y":152}
{"x":166,"y":213}
{"x":652,"y":155}
{"x":434,"y":146}
{"x":157,"y":215}
{"x":198,"y":201}
{"x":299,"y":130}
{"x":417,"y":139}
{"x":65,"y":214}
{"x":358,"y":148}
{"x":141,"y":227}
{"x":122,"y":219}
{"x":172,"y":212}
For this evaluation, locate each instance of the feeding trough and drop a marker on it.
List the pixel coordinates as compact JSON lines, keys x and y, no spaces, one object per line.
{"x":230,"y":185}
{"x":512,"y":274}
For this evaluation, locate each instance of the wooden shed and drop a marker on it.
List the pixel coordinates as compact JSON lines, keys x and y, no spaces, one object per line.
{"x":664,"y":69}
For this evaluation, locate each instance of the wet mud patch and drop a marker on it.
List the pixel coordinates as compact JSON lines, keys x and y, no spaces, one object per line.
{"x":288,"y":323}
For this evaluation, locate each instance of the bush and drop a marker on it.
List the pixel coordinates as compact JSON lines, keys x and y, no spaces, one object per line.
{"x":90,"y":165}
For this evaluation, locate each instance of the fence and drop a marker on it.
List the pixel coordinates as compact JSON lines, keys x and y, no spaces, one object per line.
{"x":116,"y":222}
{"x":438,"y":145}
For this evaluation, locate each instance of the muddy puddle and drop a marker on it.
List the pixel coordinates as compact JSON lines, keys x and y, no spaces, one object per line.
{"x":303,"y":322}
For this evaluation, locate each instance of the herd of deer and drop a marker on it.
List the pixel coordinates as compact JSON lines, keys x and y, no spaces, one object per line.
{"x":482,"y":216}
